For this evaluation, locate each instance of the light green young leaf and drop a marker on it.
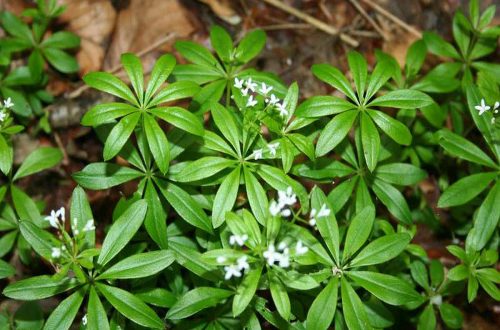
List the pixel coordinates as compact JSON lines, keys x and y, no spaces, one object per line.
{"x":108,"y":83}
{"x":221,"y":42}
{"x":162,"y":69}
{"x":359,"y":71}
{"x":175,"y":91}
{"x":133,"y":66}
{"x":320,"y":106}
{"x":250,"y":46}
{"x":335,"y":78}
{"x":106,"y":113}
{"x":402,"y":99}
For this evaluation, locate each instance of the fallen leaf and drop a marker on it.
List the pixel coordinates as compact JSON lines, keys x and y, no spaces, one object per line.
{"x":225,"y":10}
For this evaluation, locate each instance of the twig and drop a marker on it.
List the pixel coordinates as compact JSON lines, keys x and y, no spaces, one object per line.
{"x":117,"y":68}
{"x":370,"y":20}
{"x":289,"y":26}
{"x":61,"y":146}
{"x":393,"y":18}
{"x":314,"y":22}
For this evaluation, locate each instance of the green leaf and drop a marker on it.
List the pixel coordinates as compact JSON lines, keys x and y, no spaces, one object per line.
{"x":157,"y":296}
{"x":15,"y":27}
{"x":157,"y":142}
{"x":185,"y":205}
{"x":415,"y":57}
{"x":198,"y":74}
{"x":402,"y":99}
{"x":458,"y":273}
{"x":358,"y":232}
{"x":214,"y":142}
{"x":61,"y":60}
{"x":40,"y":240}
{"x":382,"y":72}
{"x":335,"y":131}
{"x":256,"y":195}
{"x":225,"y":197}
{"x":38,"y":160}
{"x":280,"y":296}
{"x":419,"y":274}
{"x":381,"y":250}
{"x":196,"y":54}
{"x":131,"y":307}
{"x":61,"y":40}
{"x":98,"y":176}
{"x":353,"y":308}
{"x":175,"y":91}
{"x":466,"y":189}
{"x":133,"y":66}
{"x":38,"y":287}
{"x":427,"y":319}
{"x":250,"y":46}
{"x":335,"y":78}
{"x":6,"y":270}
{"x":227,"y":125}
{"x":196,"y":300}
{"x":120,"y":134}
{"x":180,"y":118}
{"x":81,"y":213}
{"x":25,"y":206}
{"x":221,"y":42}
{"x":246,"y":225}
{"x":327,"y":226}
{"x":319,"y":317}
{"x":6,"y":155}
{"x":108,"y":83}
{"x":62,"y":317}
{"x":463,"y":148}
{"x":162,"y":69}
{"x":359,"y":71}
{"x":393,"y":200}
{"x":370,"y":140}
{"x":35,"y":64}
{"x":400,"y":174}
{"x":320,"y":106}
{"x":203,"y":168}
{"x":106,"y":113}
{"x":122,"y":231}
{"x":96,"y":314}
{"x":387,"y":288}
{"x":155,"y":220}
{"x":246,"y":291}
{"x":304,"y":144}
{"x":486,"y":220}
{"x":436,"y":45}
{"x":451,"y":316}
{"x":140,"y":265}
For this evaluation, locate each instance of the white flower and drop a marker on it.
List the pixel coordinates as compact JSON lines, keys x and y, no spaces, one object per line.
{"x":84,"y":319}
{"x":221,"y":259}
{"x":287,"y":197}
{"x":236,"y":239}
{"x":231,"y":270}
{"x":244,"y":92}
{"x":274,"y":208}
{"x":251,"y":85}
{"x":242,"y":263}
{"x":284,"y":259}
{"x":272,"y":148}
{"x":495,"y":107}
{"x":251,"y":102}
{"x":54,"y":216}
{"x":238,"y":83}
{"x":282,"y":110}
{"x":323,"y":211}
{"x":265,"y":89}
{"x":282,"y":246}
{"x":8,"y":103}
{"x":312,"y":222}
{"x":3,"y":115}
{"x":482,"y":108}
{"x":89,"y":225}
{"x":436,"y":300}
{"x":56,"y":253}
{"x":300,"y":248}
{"x":271,"y":255}
{"x":257,"y":154}
{"x":493,"y":120}
{"x":273,"y":100}
{"x":286,"y":213}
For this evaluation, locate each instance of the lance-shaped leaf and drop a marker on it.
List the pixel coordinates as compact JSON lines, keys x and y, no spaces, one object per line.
{"x":196,"y":300}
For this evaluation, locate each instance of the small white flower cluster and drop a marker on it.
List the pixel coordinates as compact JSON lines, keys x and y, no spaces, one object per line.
{"x":285,"y":198}
{"x":323,"y":212}
{"x":282,"y":255}
{"x":7,"y":104}
{"x":84,"y":319}
{"x":57,"y":218}
{"x":271,"y":147}
{"x":238,"y":239}
{"x":482,"y":108}
{"x":247,"y":87}
{"x":235,"y":270}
